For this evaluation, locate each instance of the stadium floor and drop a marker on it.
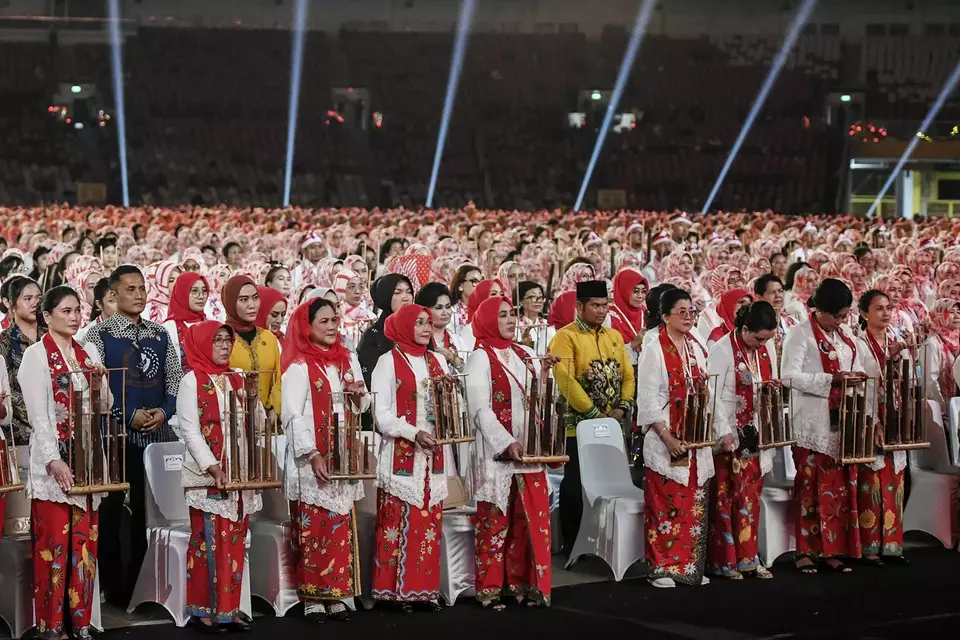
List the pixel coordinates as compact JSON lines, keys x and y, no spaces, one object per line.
{"x":919,"y":600}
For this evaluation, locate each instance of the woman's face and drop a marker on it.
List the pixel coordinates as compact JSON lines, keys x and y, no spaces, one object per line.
{"x":680,"y":318}
{"x":754,"y":339}
{"x":514,"y":274}
{"x":325,"y":328}
{"x":470,"y":283}
{"x":895,"y":292}
{"x":303,"y":294}
{"x":402,"y":296}
{"x":686,"y":266}
{"x":779,"y":266}
{"x":878,"y":315}
{"x":831,"y":321}
{"x":868,"y":262}
{"x":172,"y":278}
{"x":64,"y":320}
{"x":248,"y":303}
{"x":281,"y":282}
{"x":353,"y":293}
{"x":735,"y":280}
{"x":360,"y":268}
{"x":222,"y":346}
{"x":741,"y":303}
{"x":89,"y":285}
{"x":533,"y":302}
{"x":86,"y":247}
{"x":191,"y":265}
{"x":953,"y":320}
{"x":496,"y":290}
{"x":858,"y":279}
{"x":441,"y":312}
{"x":108,"y":306}
{"x":423,"y":329}
{"x":485,"y":241}
{"x":335,"y":269}
{"x":70,"y":259}
{"x":198,"y":297}
{"x":506,"y":322}
{"x":25,"y":308}
{"x":774,"y":295}
{"x":638,"y":295}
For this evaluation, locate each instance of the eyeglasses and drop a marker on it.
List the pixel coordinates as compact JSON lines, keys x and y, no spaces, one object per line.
{"x":202,"y":293}
{"x":534,"y":299}
{"x":473,"y":281}
{"x":220,"y":342}
{"x":683,"y":313}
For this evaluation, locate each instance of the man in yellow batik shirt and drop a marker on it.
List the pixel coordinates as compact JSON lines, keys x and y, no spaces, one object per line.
{"x":596,"y":378}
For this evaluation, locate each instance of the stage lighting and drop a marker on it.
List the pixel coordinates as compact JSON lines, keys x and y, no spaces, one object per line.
{"x":78,"y":125}
{"x":846,"y":97}
{"x":595,"y":95}
{"x":76,"y":88}
{"x":296,"y":71}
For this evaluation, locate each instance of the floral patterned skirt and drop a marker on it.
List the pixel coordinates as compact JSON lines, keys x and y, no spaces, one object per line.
{"x":826,"y":496}
{"x":407,"y":558}
{"x":215,"y":557}
{"x":514,"y":547}
{"x":326,"y":544}
{"x":880,"y":501}
{"x":735,"y":514}
{"x":675,"y":518}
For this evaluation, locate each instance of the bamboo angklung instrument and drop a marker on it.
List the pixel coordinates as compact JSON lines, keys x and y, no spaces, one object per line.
{"x":350,"y":449}
{"x":856,"y":423}
{"x":251,"y":464}
{"x":97,"y":442}
{"x":9,"y":470}
{"x":544,"y":435}
{"x":450,"y":411}
{"x":904,"y":427}
{"x":697,"y":422}
{"x":776,"y":429}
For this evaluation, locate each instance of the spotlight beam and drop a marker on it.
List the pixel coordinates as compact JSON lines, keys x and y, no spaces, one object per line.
{"x":633,"y":45}
{"x":931,"y":116}
{"x":799,"y":20}
{"x":116,"y":63}
{"x":456,"y":67}
{"x":296,"y":72}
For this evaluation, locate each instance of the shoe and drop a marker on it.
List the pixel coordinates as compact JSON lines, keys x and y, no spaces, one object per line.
{"x":207,"y":629}
{"x":663,"y":583}
{"x":314,"y":613}
{"x":339,"y":612}
{"x":83,"y":633}
{"x":704,"y":581}
{"x":431,"y":606}
{"x":238,"y":627}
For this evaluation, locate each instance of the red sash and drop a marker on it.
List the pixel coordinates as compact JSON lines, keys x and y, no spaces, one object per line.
{"x":880,"y":355}
{"x":60,"y":381}
{"x":209,"y":412}
{"x":718,"y":333}
{"x":403,"y":449}
{"x":502,"y":393}
{"x":743,"y":376}
{"x":621,"y":323}
{"x":829,"y":358}
{"x":320,"y":397}
{"x":677,"y":377}
{"x":181,"y":331}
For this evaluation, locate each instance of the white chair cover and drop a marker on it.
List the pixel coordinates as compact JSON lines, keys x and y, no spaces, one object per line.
{"x":952,"y":433}
{"x":163,"y":576}
{"x":777,"y":535}
{"x":612,"y":522}
{"x":458,"y":554}
{"x":932,"y":505}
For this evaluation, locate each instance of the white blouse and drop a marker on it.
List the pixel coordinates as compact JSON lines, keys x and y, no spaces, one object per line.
{"x":720,"y":363}
{"x":495,"y":477}
{"x":199,"y":456}
{"x":810,"y":402}
{"x":391,"y":426}
{"x":653,"y":400}
{"x":872,"y":368}
{"x":932,"y":365}
{"x":300,"y":484}
{"x":42,"y":411}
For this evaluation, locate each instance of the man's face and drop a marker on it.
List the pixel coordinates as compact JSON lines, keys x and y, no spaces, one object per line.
{"x":593,"y":311}
{"x":131,"y":294}
{"x":313,"y":252}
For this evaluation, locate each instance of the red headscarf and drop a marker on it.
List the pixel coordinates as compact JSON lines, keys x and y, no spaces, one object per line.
{"x":399,"y":329}
{"x":298,"y":347}
{"x":727,"y":309}
{"x":231,"y":291}
{"x":623,"y":285}
{"x":198,"y":347}
{"x":269,"y":297}
{"x":486,"y":324}
{"x":179,"y":309}
{"x":563,"y":310}
{"x":480,"y":293}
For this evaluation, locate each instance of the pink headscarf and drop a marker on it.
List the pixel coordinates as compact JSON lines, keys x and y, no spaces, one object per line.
{"x":157,"y":277}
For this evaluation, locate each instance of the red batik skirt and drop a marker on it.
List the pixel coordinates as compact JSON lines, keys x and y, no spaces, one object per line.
{"x":826,"y":495}
{"x":406,"y":565}
{"x":675,"y":518}
{"x":736,"y":513}
{"x":880,"y":502}
{"x":328,"y":566}
{"x":515,"y":546}
{"x":64,"y":565}
{"x":215,"y":557}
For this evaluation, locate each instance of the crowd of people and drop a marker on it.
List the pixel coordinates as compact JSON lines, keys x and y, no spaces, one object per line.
{"x":633,"y":313}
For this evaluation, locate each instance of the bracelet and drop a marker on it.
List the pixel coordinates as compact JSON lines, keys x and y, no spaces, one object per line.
{"x":312,"y":456}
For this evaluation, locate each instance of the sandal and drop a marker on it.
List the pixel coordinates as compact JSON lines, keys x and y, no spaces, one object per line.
{"x":494,"y":605}
{"x":431,"y":606}
{"x":339,"y":612}
{"x":835,"y":565}
{"x":873,"y":560}
{"x":805,"y":566}
{"x":238,"y":626}
{"x":762,"y":573}
{"x":405,"y":608}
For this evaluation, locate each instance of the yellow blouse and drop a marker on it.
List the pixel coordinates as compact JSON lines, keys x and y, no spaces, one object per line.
{"x":262,"y":355}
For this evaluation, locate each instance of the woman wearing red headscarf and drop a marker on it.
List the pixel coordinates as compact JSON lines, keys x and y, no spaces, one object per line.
{"x":187,"y":304}
{"x":484,"y":290}
{"x":218,"y":519}
{"x":563,"y":311}
{"x":411,"y":477}
{"x":273,"y":309}
{"x":730,"y":302}
{"x":513,"y":508}
{"x":317,"y":370}
{"x":255,"y":349}
{"x":626,"y":312}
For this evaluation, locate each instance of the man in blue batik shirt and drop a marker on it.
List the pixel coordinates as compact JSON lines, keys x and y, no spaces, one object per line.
{"x":142,"y":348}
